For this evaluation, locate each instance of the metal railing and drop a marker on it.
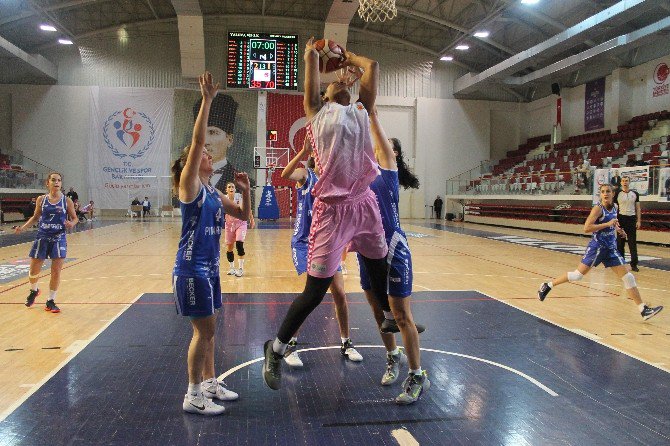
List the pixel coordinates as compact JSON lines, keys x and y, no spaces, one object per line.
{"x":18,"y":171}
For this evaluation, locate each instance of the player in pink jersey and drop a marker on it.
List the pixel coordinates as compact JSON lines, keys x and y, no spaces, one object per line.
{"x":236,"y":232}
{"x":345,"y":209}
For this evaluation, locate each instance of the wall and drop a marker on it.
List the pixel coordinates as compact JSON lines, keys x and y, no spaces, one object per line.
{"x":505,"y":129}
{"x":5,"y":121}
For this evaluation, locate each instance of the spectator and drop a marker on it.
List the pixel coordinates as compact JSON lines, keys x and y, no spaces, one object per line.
{"x":437,"y":204}
{"x":72,"y":195}
{"x":136,"y":202}
{"x":585,"y":173}
{"x":146,"y":207}
{"x":88,"y":209}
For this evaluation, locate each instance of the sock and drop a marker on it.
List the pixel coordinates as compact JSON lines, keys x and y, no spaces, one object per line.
{"x":388,"y":315}
{"x":293,"y":340}
{"x":394,"y":352}
{"x":232,"y":265}
{"x":52,"y":295}
{"x":194,"y":389}
{"x":279,"y":347}
{"x":241,"y":263}
{"x":415,"y":371}
{"x":641,"y":307}
{"x":210,"y":382}
{"x":550,"y":284}
{"x":33,"y":286}
{"x":344,"y":339}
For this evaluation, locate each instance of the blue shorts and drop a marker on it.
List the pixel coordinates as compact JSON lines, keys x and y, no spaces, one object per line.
{"x":399,"y":261}
{"x":197,"y":296}
{"x":49,"y":248}
{"x":299,"y":253}
{"x":596,"y":254}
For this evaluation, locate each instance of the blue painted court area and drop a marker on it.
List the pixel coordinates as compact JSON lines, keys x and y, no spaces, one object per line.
{"x":650,"y":262}
{"x":499,"y":376}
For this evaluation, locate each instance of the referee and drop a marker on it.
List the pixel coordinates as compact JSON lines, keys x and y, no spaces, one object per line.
{"x":630,"y":219}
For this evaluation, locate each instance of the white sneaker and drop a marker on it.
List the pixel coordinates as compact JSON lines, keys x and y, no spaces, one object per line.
{"x":201,"y":405}
{"x":239,"y":272}
{"x":347,"y":350}
{"x":216,"y":390}
{"x":231,"y":272}
{"x":293,"y":360}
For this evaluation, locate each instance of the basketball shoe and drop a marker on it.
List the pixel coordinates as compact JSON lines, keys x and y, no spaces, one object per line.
{"x":414,"y":386}
{"x":201,"y":405}
{"x":393,"y":367}
{"x":51,"y":306}
{"x":347,"y":350}
{"x":213,"y":389}
{"x":31,"y":297}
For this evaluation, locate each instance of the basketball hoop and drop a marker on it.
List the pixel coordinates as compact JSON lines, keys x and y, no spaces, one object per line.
{"x":377,"y":10}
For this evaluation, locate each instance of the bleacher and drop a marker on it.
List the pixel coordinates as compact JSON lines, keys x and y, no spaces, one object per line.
{"x":536,"y":167}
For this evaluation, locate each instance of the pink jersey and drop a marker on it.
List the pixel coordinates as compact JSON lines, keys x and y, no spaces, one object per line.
{"x":343,"y":151}
{"x":237,"y":199}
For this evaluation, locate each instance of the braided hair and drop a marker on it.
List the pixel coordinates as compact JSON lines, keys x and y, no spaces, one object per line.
{"x":406,"y":177}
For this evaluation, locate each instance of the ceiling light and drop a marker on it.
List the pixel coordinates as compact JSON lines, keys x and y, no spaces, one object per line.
{"x":462,"y":47}
{"x":447,"y":58}
{"x":48,"y":28}
{"x":65,"y":42}
{"x":481,"y":34}
{"x":529,"y":2}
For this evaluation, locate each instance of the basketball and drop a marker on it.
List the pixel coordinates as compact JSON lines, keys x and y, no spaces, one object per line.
{"x":331,"y":55}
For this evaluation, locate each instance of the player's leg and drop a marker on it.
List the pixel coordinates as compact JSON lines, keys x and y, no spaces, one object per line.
{"x":33,"y":277}
{"x":342,"y":313}
{"x":592,"y":257}
{"x":629,"y":283}
{"x":240,"y":236}
{"x":230,"y":242}
{"x":54,"y":282}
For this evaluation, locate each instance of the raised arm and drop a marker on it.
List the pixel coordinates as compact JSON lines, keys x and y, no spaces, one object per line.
{"x":232,"y":208}
{"x":189,"y":182}
{"x":292,"y":171}
{"x":312,"y":99}
{"x":367,"y":93}
{"x":383,"y":147}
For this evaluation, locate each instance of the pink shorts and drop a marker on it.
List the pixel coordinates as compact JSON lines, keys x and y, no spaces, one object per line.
{"x":355,"y":221}
{"x":236,"y":231}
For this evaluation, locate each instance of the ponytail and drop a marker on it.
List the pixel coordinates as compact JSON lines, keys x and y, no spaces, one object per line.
{"x":177,"y":168}
{"x":406,"y":177}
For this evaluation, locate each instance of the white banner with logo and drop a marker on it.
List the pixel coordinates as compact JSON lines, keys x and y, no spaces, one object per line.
{"x":600,"y":177}
{"x":129,"y":147}
{"x":639,"y":178}
{"x":664,"y":184}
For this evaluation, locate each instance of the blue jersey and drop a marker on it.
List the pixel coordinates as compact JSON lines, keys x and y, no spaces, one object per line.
{"x":387,"y":189}
{"x":303,"y":217}
{"x":606,"y":238}
{"x":201,"y":223}
{"x":52,"y":221}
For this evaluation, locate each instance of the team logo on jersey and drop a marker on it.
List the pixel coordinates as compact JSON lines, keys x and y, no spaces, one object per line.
{"x":128,"y":133}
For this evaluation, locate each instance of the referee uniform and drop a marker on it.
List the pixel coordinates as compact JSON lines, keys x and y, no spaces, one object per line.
{"x":628,"y":217}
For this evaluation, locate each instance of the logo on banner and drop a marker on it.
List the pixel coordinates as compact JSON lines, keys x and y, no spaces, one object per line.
{"x":661,"y":73}
{"x":128,"y":133}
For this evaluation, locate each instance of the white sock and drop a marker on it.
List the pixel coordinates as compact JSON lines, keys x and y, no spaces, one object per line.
{"x":394,"y":352}
{"x":33,"y":286}
{"x":344,"y":339}
{"x":416,"y":371}
{"x":241,"y":263}
{"x":550,"y":284}
{"x":211,"y":382}
{"x":194,"y":389}
{"x":52,"y":295}
{"x":388,"y":315}
{"x":641,"y":307}
{"x":279,"y":347}
{"x":293,"y":340}
{"x":232,"y":265}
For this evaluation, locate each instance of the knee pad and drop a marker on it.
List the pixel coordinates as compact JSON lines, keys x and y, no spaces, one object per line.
{"x":240,"y":248}
{"x":575,"y":276}
{"x":230,"y":256}
{"x":629,"y":281}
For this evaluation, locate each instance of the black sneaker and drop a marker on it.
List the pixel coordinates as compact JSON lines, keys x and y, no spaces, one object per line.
{"x":31,"y":297}
{"x":271,"y":367}
{"x":391,"y":326}
{"x":543,"y":291}
{"x":635,"y":268}
{"x":650,"y":312}
{"x":51,"y":306}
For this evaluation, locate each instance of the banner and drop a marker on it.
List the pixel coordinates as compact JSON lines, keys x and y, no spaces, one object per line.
{"x":594,"y":105}
{"x":660,"y":86}
{"x":129,"y":146}
{"x":600,"y":177}
{"x":639,"y":178}
{"x":268,"y":209}
{"x":664,"y":184}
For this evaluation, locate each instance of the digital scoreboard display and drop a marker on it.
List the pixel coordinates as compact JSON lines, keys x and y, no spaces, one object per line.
{"x":262,"y":61}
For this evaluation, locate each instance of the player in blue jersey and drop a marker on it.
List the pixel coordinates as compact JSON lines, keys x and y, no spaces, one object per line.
{"x":305,"y":179}
{"x":603,"y":224}
{"x":393,"y":173}
{"x":51,"y":212}
{"x":196,"y":281}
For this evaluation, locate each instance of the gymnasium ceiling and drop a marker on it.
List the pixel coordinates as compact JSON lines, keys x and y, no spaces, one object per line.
{"x":528,"y":47}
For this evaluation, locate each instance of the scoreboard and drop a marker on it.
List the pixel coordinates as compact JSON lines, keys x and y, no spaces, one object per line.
{"x":262,"y":61}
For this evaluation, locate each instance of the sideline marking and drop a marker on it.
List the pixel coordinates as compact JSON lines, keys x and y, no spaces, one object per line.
{"x":229,"y":372}
{"x":404,"y":437}
{"x":74,"y":350}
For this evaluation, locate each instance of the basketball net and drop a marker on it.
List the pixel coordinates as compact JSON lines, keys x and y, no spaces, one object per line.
{"x":377,"y":10}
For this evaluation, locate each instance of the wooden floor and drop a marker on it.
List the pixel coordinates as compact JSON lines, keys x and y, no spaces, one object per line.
{"x":115,"y":264}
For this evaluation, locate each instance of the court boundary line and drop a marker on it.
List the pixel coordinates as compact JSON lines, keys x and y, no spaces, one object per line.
{"x":630,"y":355}
{"x":72,"y":354}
